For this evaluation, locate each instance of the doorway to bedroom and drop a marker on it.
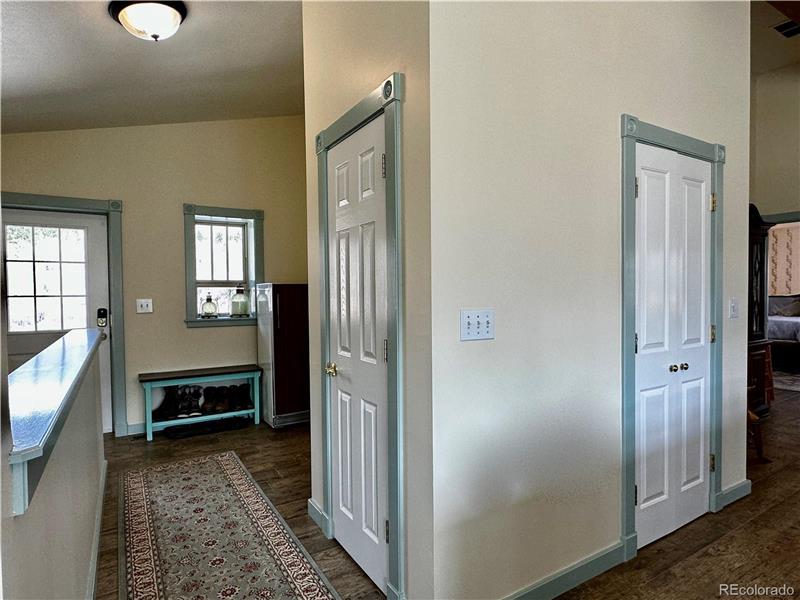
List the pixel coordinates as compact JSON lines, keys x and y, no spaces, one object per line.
{"x":783,"y":303}
{"x":773,"y":328}
{"x":773,"y":369}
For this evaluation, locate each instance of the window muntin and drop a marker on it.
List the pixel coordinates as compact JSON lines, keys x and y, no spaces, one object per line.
{"x":220,"y":252}
{"x":221,"y":260}
{"x":46,"y":277}
{"x":220,"y":277}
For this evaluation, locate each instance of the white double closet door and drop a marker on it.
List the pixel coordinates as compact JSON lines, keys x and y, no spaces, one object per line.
{"x":359,"y":322}
{"x":673,"y":336}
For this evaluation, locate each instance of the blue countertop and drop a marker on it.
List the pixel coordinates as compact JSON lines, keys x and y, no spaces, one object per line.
{"x":41,"y":391}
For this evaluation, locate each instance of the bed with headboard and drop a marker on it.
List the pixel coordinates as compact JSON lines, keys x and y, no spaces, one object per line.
{"x":783,"y":310}
{"x":783,"y":329}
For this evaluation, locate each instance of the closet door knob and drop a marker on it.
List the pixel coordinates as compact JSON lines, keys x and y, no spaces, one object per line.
{"x":673,"y":368}
{"x":684,"y":366}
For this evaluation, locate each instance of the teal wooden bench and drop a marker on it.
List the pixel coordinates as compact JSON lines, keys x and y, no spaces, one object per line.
{"x":151,"y":381}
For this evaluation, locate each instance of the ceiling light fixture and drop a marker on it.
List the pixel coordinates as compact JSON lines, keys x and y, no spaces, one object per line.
{"x":149,"y":20}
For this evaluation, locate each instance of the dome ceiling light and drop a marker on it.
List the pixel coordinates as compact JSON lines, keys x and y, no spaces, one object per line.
{"x":149,"y":20}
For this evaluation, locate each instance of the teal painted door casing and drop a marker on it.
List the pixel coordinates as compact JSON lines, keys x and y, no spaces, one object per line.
{"x":386,"y":99}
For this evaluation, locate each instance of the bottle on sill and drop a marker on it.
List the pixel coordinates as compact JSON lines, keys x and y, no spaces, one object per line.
{"x":240,"y":303}
{"x":209,"y":308}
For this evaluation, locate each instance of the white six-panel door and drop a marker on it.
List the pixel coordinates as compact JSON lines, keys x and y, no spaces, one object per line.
{"x":358,"y":309}
{"x":673,"y":329}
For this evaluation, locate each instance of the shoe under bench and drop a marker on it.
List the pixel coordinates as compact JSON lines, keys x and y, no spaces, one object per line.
{"x":151,"y":381}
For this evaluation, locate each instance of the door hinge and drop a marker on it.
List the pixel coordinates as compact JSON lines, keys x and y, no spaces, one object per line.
{"x":387,"y":530}
{"x":636,"y":187}
{"x":712,"y":463}
{"x":713,"y":202}
{"x":385,"y":350}
{"x":383,"y":166}
{"x":636,"y":495}
{"x":713,"y":334}
{"x":636,"y":343}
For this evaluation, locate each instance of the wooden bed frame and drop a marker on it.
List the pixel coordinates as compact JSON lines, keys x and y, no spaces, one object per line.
{"x":786,"y":356}
{"x":785,"y":353}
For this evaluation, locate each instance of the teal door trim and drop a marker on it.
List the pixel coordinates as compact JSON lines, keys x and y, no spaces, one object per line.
{"x":386,"y":99}
{"x":112,"y":209}
{"x":634,"y":131}
{"x":787,"y":217}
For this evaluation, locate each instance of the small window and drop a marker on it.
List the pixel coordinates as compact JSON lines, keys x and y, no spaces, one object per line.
{"x":46,"y":277}
{"x":220,"y":253}
{"x":223,"y":252}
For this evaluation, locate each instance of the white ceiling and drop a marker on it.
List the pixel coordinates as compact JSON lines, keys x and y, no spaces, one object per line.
{"x":68,"y":65}
{"x":769,"y":50}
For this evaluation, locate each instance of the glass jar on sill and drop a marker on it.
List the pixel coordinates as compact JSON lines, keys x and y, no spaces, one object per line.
{"x":208,"y":310}
{"x":240,"y":303}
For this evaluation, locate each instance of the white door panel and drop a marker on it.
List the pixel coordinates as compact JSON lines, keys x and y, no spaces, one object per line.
{"x":369,"y":470}
{"x":654,"y":410}
{"x":367,"y":289}
{"x":343,"y":299}
{"x":692,"y":425}
{"x":672,"y":324}
{"x":96,"y":288}
{"x":358,"y":304}
{"x":653,"y":246}
{"x":344,"y":464}
{"x":693,"y":283}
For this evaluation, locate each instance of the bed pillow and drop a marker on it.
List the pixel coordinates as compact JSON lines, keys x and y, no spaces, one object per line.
{"x":789,"y":308}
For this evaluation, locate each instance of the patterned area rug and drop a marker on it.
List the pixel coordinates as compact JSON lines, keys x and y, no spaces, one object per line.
{"x":786,"y":381}
{"x":202,"y":529}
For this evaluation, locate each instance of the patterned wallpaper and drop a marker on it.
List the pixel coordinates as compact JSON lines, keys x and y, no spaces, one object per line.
{"x":784,"y":259}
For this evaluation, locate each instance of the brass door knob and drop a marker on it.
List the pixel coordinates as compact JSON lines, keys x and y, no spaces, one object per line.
{"x":330,"y":369}
{"x":673,"y":368}
{"x":684,"y":366}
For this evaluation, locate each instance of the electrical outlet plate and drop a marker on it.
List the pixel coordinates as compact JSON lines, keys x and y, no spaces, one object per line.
{"x":733,"y":308}
{"x":477,"y":324}
{"x":144,"y":305}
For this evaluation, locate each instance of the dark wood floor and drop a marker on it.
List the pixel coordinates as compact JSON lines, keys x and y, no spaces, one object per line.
{"x":279,"y":462}
{"x":755,"y":541}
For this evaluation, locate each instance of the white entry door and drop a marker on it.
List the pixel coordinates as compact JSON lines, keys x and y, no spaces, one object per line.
{"x":57,"y":278}
{"x":673,"y":337}
{"x":358,"y":308}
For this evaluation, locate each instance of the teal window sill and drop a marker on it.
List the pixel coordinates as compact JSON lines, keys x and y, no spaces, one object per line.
{"x":220,"y":322}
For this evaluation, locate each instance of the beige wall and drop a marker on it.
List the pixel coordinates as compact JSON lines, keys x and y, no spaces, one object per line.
{"x":48,"y":551}
{"x":154,"y":170}
{"x":348,"y":49}
{"x":775,"y":141}
{"x":525,"y":217}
